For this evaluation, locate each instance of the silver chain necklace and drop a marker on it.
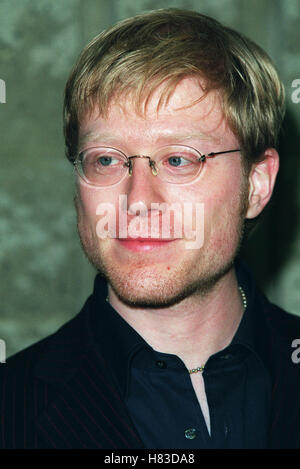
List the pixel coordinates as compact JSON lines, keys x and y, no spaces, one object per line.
{"x":201,"y":368}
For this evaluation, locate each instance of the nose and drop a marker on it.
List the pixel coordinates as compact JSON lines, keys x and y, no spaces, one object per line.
{"x":143,"y":187}
{"x":151,"y":162}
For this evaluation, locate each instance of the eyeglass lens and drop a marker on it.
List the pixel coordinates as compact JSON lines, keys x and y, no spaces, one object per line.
{"x":106,"y":166}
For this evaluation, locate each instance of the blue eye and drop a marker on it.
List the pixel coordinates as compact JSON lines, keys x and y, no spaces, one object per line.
{"x":105,"y":160}
{"x":174,"y":160}
{"x":178,"y":161}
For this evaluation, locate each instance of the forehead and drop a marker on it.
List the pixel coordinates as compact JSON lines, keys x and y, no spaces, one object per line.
{"x":189,"y":111}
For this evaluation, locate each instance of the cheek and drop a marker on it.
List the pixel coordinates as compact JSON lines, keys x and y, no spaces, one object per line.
{"x":90,"y":205}
{"x":223,"y":214}
{"x":90,"y":200}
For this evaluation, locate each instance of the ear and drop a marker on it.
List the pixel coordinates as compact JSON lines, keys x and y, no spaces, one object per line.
{"x":261,"y":182}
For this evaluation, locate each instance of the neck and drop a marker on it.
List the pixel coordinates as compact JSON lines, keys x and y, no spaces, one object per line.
{"x":193,"y":329}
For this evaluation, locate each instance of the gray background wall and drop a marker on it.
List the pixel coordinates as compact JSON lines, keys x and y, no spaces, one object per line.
{"x":44,"y":277}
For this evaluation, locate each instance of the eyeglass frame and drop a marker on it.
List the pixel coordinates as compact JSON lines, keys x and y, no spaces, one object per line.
{"x":154,"y":171}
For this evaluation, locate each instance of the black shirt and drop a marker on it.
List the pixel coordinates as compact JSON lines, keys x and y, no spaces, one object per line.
{"x":158,"y":392}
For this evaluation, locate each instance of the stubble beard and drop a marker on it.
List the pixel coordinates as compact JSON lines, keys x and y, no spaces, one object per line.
{"x":145,"y":286}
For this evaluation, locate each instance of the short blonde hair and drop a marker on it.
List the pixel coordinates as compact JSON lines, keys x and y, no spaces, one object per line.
{"x":162,"y":47}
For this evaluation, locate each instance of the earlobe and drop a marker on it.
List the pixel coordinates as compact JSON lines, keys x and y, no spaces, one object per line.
{"x":261,"y":182}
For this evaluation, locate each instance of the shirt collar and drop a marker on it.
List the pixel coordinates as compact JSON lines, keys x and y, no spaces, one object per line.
{"x":114,"y":337}
{"x":118,"y":341}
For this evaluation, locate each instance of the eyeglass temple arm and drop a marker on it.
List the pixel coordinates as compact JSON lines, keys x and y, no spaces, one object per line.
{"x":211,"y":155}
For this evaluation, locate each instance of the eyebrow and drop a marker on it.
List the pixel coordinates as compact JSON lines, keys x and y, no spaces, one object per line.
{"x":176,"y":138}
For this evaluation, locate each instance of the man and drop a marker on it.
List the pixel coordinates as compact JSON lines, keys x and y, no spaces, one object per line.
{"x":171,"y":122}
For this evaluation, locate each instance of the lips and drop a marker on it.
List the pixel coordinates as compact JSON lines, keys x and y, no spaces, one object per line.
{"x":144,"y":244}
{"x":146,"y":240}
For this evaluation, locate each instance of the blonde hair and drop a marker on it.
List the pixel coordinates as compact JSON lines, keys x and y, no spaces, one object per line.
{"x":162,"y":47}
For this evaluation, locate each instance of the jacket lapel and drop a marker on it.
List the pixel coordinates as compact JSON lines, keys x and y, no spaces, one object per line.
{"x":285,"y":403}
{"x":85,"y":408}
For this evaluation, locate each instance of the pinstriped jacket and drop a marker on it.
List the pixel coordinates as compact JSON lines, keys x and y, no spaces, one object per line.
{"x":61,"y":393}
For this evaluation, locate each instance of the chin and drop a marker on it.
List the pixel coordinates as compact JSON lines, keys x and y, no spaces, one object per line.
{"x":146,"y":286}
{"x":150,"y":286}
{"x":157,"y":294}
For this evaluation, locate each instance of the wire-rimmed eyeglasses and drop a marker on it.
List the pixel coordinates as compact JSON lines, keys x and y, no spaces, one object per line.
{"x":174,"y":164}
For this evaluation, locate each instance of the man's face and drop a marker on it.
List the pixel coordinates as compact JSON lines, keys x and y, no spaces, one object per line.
{"x":160,"y":274}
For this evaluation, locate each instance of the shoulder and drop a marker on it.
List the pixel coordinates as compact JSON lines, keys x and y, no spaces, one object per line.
{"x":282,"y":336}
{"x":282,"y":353}
{"x":33,"y":378}
{"x":61,"y":346}
{"x":284,"y":324}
